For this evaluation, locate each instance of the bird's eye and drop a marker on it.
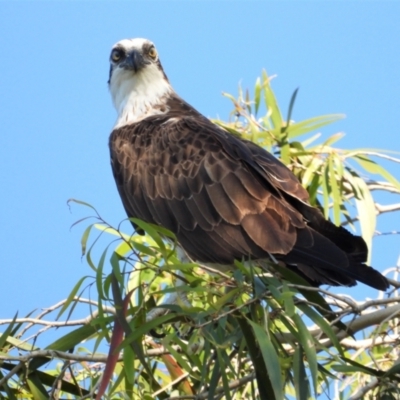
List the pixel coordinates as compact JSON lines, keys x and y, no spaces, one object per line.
{"x":153,"y":53}
{"x":116,"y":55}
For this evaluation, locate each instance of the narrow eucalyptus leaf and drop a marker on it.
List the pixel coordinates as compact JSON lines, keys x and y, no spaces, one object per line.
{"x":271,"y":359}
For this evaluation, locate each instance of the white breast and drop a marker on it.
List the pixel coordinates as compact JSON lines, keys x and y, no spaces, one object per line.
{"x":138,"y":95}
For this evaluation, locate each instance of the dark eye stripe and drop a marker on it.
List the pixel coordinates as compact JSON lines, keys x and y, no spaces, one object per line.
{"x":117,"y":55}
{"x":152,"y":52}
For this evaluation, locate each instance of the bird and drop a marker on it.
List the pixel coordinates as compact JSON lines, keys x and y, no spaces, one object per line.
{"x":224,"y":198}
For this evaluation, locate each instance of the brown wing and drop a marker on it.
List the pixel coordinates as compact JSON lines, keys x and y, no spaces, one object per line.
{"x":226,"y":199}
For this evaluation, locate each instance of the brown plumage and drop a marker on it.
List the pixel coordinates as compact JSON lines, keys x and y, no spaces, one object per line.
{"x":225,"y":198}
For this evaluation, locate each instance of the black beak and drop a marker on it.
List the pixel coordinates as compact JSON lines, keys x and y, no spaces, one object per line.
{"x":134,"y":61}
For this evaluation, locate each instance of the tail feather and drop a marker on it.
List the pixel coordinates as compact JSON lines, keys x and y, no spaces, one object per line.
{"x":322,"y":261}
{"x":317,"y":277}
{"x":352,"y":245}
{"x":368,"y":276}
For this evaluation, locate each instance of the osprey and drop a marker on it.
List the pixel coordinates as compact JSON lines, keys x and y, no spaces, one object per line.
{"x":223,"y":197}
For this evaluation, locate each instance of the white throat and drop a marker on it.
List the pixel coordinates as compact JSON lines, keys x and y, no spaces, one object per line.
{"x":138,"y":95}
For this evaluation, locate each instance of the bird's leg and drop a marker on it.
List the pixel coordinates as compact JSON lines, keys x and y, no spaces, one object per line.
{"x":178,"y":297}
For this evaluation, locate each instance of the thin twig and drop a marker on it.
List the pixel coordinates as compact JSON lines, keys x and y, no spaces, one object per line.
{"x":73,"y":356}
{"x":365,"y":389}
{"x":172,"y":383}
{"x":58,"y":324}
{"x":11,"y":373}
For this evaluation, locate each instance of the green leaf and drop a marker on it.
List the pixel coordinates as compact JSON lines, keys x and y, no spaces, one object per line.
{"x":287,"y":298}
{"x":374,"y":168}
{"x":146,"y":328}
{"x":257,"y":95}
{"x":307,"y":142}
{"x":85,"y":238}
{"x":309,"y":125}
{"x":223,"y":367}
{"x":247,"y":101}
{"x":180,"y":358}
{"x":271,"y":102}
{"x":123,"y":249}
{"x":20,"y":344}
{"x":8,"y":390}
{"x":326,"y":191}
{"x":271,"y":359}
{"x":71,"y":296}
{"x":37,"y":389}
{"x":392,"y":371}
{"x":145,"y":250}
{"x":90,"y":261}
{"x":107,"y":229}
{"x":133,"y":284}
{"x":335,"y":193}
{"x":73,"y":338}
{"x":46,"y":379}
{"x":223,"y":300}
{"x":82,"y":203}
{"x":216,"y":373}
{"x":291,"y":105}
{"x":322,"y":324}
{"x":333,"y":139}
{"x":366,"y":211}
{"x":153,"y":232}
{"x":136,"y":345}
{"x":307,"y":343}
{"x":356,"y":367}
{"x":312,"y":173}
{"x":301,"y":384}
{"x":6,"y":333}
{"x":99,"y":275}
{"x":264,"y":383}
{"x":114,"y":260}
{"x":310,"y":295}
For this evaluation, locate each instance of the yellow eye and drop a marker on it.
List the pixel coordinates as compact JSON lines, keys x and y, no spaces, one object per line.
{"x":153,"y":53}
{"x":116,"y":55}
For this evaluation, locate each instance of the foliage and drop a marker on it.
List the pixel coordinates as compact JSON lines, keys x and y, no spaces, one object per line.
{"x":242,"y":334}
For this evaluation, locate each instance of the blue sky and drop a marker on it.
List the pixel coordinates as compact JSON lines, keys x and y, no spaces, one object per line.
{"x":56,"y":113}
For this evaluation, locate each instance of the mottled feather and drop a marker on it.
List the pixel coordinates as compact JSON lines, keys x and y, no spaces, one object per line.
{"x":227,"y":198}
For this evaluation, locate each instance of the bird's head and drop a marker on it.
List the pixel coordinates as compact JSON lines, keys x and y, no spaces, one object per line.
{"x":137,"y":80}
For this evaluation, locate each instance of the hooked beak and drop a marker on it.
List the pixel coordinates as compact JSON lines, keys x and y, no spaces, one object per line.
{"x":134,"y":61}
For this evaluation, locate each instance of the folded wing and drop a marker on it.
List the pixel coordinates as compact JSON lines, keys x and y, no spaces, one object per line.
{"x":228,"y":199}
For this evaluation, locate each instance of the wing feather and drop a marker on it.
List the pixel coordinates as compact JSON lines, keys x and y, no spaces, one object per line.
{"x":206,"y":207}
{"x":182,"y":215}
{"x":205,"y":247}
{"x":179,"y":187}
{"x":199,"y":217}
{"x":247,"y":248}
{"x":223,"y":204}
{"x":163,"y":186}
{"x":226,"y":199}
{"x":239,"y":196}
